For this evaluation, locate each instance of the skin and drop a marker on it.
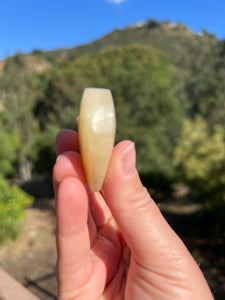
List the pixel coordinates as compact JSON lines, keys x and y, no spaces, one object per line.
{"x":115,"y":244}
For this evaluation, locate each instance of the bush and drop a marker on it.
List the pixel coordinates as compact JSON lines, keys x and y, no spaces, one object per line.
{"x":200,"y":158}
{"x":151,"y":23}
{"x":12,"y":203}
{"x":8,"y":146}
{"x":44,"y":150}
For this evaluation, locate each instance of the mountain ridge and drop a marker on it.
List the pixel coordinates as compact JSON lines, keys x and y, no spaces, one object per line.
{"x":162,"y":35}
{"x":166,"y":36}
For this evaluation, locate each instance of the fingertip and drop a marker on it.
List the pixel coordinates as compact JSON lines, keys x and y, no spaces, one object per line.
{"x":72,"y":235}
{"x":121,"y":147}
{"x":70,"y":187}
{"x":72,"y":203}
{"x":122,"y":168}
{"x":67,"y":140}
{"x":118,"y":156}
{"x":68,"y":164}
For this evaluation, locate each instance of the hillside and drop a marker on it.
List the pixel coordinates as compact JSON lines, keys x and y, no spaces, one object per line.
{"x":174,"y":39}
{"x":32,"y":63}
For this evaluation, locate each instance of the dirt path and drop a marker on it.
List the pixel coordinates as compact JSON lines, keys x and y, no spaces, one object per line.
{"x":31,"y":258}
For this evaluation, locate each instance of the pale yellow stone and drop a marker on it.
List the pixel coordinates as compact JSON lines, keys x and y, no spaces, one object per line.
{"x":97,"y":127}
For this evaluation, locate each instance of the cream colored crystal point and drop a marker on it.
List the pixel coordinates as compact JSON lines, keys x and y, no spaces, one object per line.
{"x":97,"y":127}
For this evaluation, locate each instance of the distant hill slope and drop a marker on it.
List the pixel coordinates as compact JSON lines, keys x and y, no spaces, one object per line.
{"x":32,"y":63}
{"x":174,"y":39}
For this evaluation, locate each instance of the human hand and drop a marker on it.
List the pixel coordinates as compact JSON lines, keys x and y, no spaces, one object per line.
{"x":116,"y":244}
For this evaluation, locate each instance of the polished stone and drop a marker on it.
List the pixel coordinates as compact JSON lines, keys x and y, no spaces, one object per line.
{"x":97,"y":127}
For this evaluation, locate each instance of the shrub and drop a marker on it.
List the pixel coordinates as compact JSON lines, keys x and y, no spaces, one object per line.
{"x":44,"y":149}
{"x":200,"y":157}
{"x":200,"y":160}
{"x":12,"y":203}
{"x":8,"y":146}
{"x":151,"y":23}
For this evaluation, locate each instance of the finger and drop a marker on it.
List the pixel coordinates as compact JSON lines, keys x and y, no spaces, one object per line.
{"x":67,"y":140}
{"x":144,"y":228}
{"x":73,"y":244}
{"x":154,"y":246}
{"x":99,"y":209}
{"x":68,"y":164}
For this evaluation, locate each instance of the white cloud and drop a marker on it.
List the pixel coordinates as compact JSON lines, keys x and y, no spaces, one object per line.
{"x":116,"y":1}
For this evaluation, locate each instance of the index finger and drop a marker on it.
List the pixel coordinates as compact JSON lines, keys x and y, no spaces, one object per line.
{"x":67,"y":140}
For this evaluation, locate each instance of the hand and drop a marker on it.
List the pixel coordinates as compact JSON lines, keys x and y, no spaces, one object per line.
{"x":116,"y":244}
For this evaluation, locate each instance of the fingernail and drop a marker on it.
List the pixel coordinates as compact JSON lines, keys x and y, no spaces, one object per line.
{"x":129,"y":160}
{"x":58,"y":157}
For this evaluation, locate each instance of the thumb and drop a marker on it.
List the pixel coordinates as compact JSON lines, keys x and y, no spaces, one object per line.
{"x":145,"y":230}
{"x":154,"y":245}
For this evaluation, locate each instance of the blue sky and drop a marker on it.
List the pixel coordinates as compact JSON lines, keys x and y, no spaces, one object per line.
{"x":50,"y":24}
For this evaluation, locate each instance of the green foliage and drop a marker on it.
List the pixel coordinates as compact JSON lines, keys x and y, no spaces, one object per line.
{"x":208,"y":34}
{"x":200,"y":161}
{"x":200,"y":85}
{"x":37,"y":52}
{"x":173,"y":40}
{"x":61,"y":89}
{"x":14,"y":63}
{"x":12,"y":203}
{"x":17,"y":87}
{"x":148,"y":111}
{"x":151,"y":23}
{"x":44,"y":149}
{"x":141,"y":82}
{"x":200,"y":157}
{"x":8,"y":146}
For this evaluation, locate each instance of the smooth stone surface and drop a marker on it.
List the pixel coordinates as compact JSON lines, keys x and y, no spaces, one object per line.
{"x":97,"y":127}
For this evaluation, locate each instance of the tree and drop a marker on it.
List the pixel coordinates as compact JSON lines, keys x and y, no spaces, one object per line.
{"x":8,"y":148}
{"x":16,"y":85}
{"x":148,"y":111}
{"x":141,"y":80}
{"x":200,"y":81}
{"x":44,"y":150}
{"x":61,"y":89}
{"x":151,"y":24}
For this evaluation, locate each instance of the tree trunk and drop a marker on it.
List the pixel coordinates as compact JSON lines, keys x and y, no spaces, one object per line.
{"x":25,"y":169}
